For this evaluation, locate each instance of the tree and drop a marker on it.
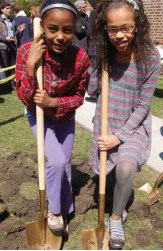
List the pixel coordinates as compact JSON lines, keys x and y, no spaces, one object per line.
{"x":26,"y":4}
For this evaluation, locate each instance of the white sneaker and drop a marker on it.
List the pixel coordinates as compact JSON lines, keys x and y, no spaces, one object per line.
{"x":55,"y":222}
{"x":124,"y":218}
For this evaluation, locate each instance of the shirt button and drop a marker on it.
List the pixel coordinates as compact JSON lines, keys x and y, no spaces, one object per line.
{"x":54,"y":84}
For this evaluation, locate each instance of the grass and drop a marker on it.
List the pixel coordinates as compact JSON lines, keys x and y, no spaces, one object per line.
{"x":141,"y":232}
{"x":15,"y":132}
{"x":29,"y":190}
{"x":157,"y":100}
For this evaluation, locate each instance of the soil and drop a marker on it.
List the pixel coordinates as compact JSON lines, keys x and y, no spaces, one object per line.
{"x":19,"y":204}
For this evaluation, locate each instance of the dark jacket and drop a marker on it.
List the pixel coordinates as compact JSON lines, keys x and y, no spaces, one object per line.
{"x":80,"y":37}
{"x":91,"y":50}
{"x":25,"y":35}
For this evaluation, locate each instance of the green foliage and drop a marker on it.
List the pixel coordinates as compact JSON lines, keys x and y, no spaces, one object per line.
{"x":157,"y":100}
{"x":26,"y":5}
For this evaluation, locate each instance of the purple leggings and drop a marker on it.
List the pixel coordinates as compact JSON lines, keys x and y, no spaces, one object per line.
{"x":58,"y":150}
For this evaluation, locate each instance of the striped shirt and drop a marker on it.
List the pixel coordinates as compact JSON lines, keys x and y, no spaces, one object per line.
{"x":131,"y":87}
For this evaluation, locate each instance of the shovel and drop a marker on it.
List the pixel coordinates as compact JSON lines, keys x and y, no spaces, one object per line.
{"x":39,"y":236}
{"x":154,"y":195}
{"x":98,"y":238}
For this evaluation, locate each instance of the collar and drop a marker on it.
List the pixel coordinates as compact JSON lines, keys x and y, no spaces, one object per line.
{"x":5,"y":18}
{"x":52,"y":61}
{"x":21,"y":13}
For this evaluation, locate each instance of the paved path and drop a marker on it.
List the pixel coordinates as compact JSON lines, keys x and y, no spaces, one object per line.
{"x":84,"y":117}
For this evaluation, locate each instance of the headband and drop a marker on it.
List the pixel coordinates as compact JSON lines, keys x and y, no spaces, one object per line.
{"x":59,"y":5}
{"x":134,"y":4}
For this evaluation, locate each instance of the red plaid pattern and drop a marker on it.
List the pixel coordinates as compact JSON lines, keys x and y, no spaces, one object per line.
{"x":67,"y":81}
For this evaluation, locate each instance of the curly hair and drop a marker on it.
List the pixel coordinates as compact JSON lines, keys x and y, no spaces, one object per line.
{"x":104,"y":50}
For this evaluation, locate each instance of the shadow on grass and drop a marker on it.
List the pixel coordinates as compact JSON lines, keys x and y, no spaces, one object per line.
{"x":11,"y":120}
{"x":4,"y":215}
{"x":2,"y":100}
{"x":158,"y":93}
{"x":5,"y":89}
{"x":79,"y":180}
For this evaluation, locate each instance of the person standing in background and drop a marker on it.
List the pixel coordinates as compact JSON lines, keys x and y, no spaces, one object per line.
{"x":7,"y":41}
{"x":25,"y":35}
{"x":80,"y":36}
{"x":92,"y":5}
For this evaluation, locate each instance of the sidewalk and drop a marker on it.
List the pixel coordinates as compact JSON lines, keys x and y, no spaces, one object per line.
{"x":84,"y":116}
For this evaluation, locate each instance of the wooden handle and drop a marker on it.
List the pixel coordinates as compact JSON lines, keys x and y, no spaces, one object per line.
{"x":40,"y":116}
{"x":104,"y":126}
{"x":158,"y":181}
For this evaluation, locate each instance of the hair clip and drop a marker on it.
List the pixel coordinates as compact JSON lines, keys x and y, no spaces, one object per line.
{"x":134,"y":4}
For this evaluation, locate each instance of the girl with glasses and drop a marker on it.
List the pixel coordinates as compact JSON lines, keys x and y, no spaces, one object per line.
{"x":121,"y":40}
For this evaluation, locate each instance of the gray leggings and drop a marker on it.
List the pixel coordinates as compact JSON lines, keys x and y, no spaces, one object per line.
{"x":125,"y":173}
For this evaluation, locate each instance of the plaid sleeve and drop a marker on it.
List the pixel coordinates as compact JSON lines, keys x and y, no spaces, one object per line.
{"x":25,"y":84}
{"x":77,"y":100}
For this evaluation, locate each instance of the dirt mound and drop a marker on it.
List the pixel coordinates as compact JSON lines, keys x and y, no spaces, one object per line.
{"x":19,"y":202}
{"x":19,"y":199}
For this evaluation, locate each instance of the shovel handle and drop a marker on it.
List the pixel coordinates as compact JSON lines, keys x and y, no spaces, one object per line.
{"x":40,"y":116}
{"x":103,"y":154}
{"x":158,"y":181}
{"x":104,"y":126}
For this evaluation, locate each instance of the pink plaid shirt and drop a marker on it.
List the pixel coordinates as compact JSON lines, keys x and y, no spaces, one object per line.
{"x":67,"y":81}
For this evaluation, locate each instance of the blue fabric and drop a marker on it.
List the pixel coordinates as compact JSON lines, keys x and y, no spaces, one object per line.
{"x":25,"y":35}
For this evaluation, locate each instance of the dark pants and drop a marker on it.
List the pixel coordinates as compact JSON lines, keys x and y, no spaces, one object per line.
{"x":7,"y":58}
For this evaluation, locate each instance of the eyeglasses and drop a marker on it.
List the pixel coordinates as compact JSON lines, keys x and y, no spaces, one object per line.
{"x":114,"y":31}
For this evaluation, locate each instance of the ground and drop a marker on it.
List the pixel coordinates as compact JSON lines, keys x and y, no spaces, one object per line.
{"x":19,"y":204}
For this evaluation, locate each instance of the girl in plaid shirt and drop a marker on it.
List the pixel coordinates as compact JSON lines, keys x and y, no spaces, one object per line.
{"x":66,"y":77}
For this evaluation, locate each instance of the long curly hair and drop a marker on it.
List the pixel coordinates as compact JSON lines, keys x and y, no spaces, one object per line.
{"x":104,"y":50}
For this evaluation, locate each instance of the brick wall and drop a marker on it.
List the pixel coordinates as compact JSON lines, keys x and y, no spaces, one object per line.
{"x":154,"y":11}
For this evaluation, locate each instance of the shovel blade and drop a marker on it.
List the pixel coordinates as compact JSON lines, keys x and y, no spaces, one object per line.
{"x":153,"y":197}
{"x":35,"y":238}
{"x":90,"y":240}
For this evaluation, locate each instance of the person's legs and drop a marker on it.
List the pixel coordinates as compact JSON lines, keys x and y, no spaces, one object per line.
{"x":65,"y":135}
{"x":58,"y":149}
{"x":11,"y":54}
{"x":125,"y":173}
{"x":5,"y":58}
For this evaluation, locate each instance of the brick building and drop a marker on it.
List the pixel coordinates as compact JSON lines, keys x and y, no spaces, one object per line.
{"x":154,"y":11}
